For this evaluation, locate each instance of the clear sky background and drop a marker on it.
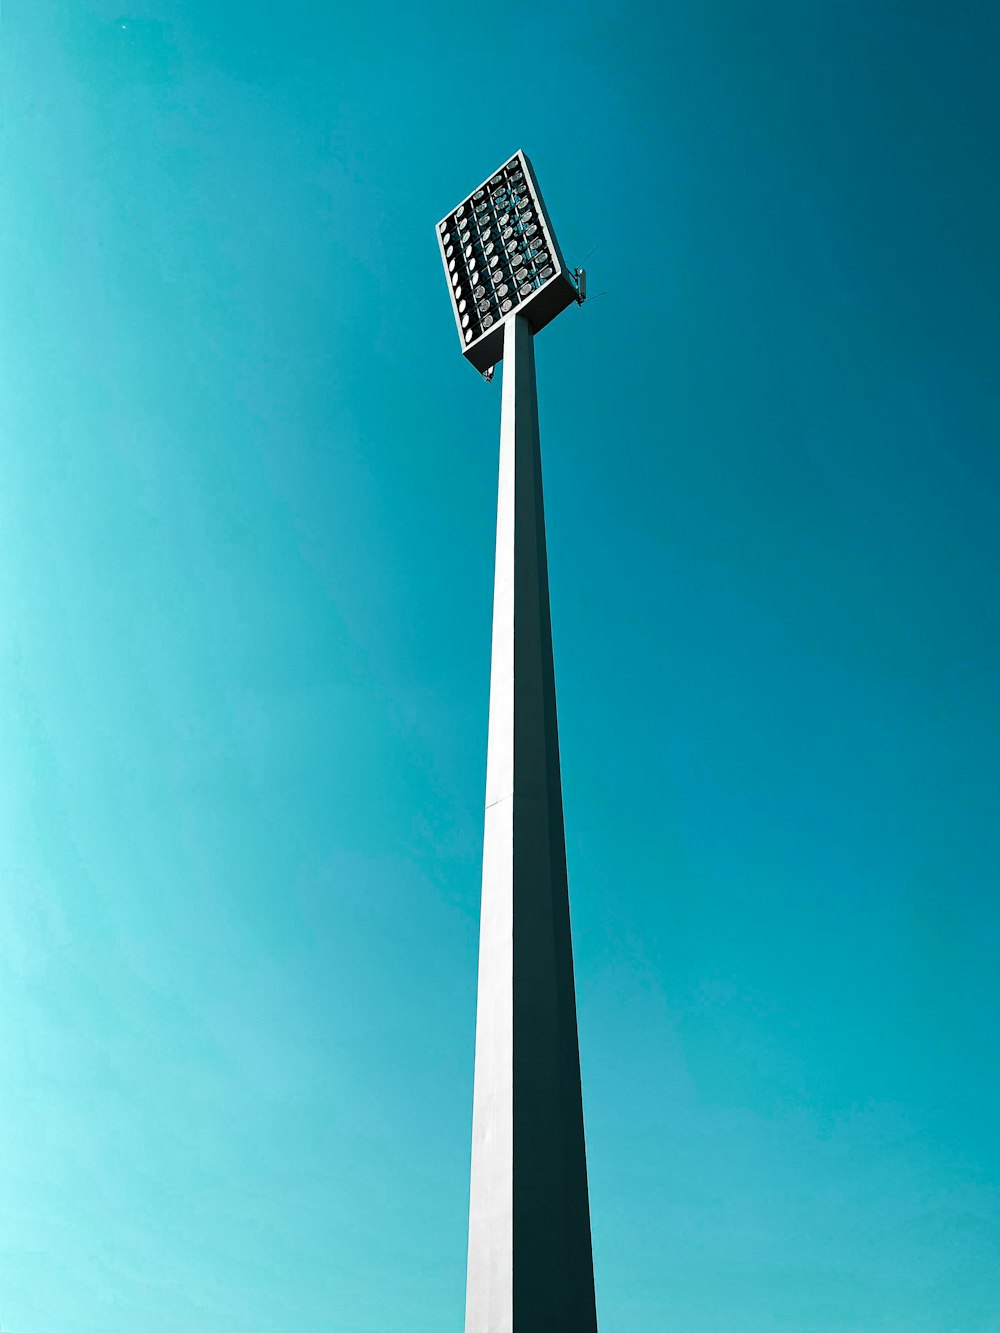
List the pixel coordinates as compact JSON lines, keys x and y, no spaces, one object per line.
{"x":247,"y":492}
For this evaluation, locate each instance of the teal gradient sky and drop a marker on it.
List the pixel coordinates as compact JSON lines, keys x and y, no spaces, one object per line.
{"x":247,"y":500}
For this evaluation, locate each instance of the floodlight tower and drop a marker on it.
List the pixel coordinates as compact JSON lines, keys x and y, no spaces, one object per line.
{"x":530,"y":1267}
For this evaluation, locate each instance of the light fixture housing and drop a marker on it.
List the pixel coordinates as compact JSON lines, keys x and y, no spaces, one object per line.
{"x":536,"y":297}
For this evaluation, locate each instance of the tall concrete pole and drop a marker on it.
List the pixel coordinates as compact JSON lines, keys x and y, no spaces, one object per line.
{"x":530,"y":1261}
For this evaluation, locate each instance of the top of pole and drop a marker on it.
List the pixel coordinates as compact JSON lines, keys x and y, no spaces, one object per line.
{"x":501,"y":258}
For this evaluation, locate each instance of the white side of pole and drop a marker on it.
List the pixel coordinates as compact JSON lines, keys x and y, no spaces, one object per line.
{"x":489,"y":1289}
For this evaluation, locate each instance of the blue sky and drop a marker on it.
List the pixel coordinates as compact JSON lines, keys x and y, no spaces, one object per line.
{"x":245,"y":578}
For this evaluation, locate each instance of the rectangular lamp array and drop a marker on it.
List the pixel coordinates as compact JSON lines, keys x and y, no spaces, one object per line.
{"x":501,"y":258}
